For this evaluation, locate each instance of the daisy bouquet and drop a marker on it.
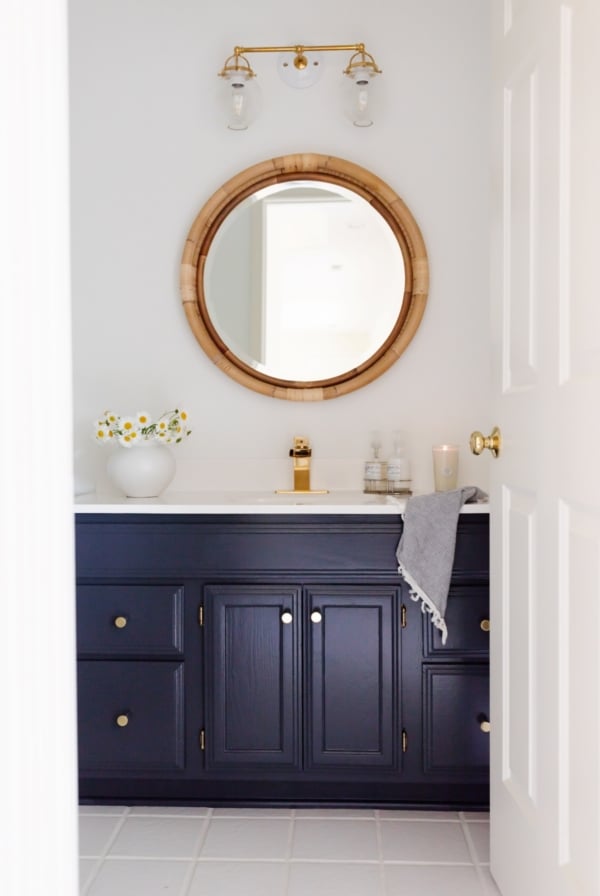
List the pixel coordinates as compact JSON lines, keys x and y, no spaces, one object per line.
{"x":169,"y":429}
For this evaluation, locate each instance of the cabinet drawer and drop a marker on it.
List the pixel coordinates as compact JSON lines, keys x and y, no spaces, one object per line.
{"x":472,"y":552}
{"x":456,"y":736}
{"x":130,"y":620}
{"x":130,"y":715}
{"x":468,"y":623}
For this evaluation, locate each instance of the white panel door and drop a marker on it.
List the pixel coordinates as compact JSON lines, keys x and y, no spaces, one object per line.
{"x":545,"y":486}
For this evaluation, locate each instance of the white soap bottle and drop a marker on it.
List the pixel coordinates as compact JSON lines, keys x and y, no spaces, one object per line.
{"x":375,"y":469}
{"x":398,"y":468}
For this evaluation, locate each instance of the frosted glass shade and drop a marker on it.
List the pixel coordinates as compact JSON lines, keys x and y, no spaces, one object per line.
{"x":241,"y":100}
{"x":358,"y":89}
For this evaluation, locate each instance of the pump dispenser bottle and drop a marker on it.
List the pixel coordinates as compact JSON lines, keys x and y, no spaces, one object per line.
{"x":398,"y":468}
{"x":375,"y":469}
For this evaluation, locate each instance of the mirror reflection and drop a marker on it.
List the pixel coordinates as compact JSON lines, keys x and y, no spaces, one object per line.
{"x":304,"y":281}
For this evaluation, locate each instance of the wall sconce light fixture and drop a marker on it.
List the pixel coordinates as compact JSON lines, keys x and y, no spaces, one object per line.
{"x":299,"y":66}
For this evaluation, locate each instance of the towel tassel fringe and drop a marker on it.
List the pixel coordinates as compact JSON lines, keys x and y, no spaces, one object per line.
{"x":427,"y":606}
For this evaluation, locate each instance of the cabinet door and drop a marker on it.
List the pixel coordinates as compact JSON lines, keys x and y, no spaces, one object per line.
{"x":456,"y":720}
{"x":351,"y":676}
{"x":252,"y":655}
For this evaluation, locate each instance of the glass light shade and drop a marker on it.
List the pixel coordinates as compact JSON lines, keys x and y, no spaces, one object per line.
{"x":241,"y":98}
{"x":361,"y":79}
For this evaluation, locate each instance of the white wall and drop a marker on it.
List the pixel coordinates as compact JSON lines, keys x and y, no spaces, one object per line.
{"x":149,"y":148}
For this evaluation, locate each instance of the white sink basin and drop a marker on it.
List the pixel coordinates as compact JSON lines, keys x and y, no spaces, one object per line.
{"x":327,"y":499}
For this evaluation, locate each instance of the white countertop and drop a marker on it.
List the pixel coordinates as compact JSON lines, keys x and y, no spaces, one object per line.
{"x":339,"y":502}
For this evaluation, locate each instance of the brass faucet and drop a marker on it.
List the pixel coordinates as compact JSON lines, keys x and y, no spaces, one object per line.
{"x":301,"y":454}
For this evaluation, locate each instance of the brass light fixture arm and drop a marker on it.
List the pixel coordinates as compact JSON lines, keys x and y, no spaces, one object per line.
{"x":300,"y":60}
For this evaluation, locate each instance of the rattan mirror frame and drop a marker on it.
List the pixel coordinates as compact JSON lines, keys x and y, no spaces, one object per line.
{"x":310,"y":167}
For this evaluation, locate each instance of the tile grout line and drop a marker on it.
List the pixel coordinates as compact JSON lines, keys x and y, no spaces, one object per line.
{"x":92,"y":877}
{"x":473,"y":853}
{"x":288,"y":861}
{"x":101,"y":858}
{"x":187,"y":881}
{"x":380,"y":854}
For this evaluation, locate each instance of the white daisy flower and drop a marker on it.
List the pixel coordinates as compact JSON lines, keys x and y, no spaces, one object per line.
{"x":127,"y":425}
{"x":102,"y":431}
{"x":127,"y":440}
{"x":143,"y":419}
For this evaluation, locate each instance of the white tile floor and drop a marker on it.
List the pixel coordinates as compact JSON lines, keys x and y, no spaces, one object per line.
{"x":144,"y":851}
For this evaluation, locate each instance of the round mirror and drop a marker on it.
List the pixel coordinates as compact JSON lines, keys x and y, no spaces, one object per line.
{"x":304,"y":277}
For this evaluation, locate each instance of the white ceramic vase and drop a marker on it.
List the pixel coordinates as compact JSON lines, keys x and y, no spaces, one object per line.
{"x":143,"y":470}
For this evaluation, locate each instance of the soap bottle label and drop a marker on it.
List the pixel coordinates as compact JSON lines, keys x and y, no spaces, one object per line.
{"x":398,"y":468}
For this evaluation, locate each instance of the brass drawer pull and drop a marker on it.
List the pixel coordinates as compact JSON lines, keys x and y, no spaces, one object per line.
{"x":484,"y":625}
{"x":122,"y":720}
{"x":120,"y":621}
{"x":316,"y":616}
{"x":485,"y":725}
{"x":286,"y":617}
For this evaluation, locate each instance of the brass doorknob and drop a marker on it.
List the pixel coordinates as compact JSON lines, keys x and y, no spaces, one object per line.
{"x":478,"y":442}
{"x":122,"y":720}
{"x":120,"y":621}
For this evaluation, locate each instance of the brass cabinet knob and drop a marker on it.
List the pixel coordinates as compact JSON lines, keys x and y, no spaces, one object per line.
{"x":122,"y":720}
{"x":484,"y":625}
{"x":315,"y":616}
{"x":478,"y":442}
{"x":120,"y":621}
{"x":286,"y":617}
{"x":485,"y":726}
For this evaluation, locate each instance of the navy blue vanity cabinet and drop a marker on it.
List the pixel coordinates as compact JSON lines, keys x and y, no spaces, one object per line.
{"x":278,"y":660}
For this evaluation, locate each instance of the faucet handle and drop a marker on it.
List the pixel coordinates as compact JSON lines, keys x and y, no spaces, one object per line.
{"x":301,"y":447}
